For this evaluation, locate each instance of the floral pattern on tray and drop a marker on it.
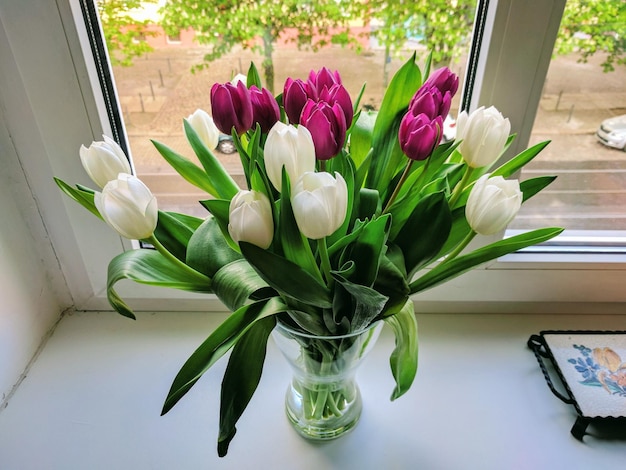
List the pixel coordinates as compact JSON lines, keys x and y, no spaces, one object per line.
{"x":601,"y":367}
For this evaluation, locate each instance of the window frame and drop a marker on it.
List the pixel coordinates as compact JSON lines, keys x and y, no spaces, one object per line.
{"x":46,"y":76}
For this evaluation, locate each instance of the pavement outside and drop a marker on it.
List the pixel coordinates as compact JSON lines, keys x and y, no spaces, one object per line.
{"x":158,"y":91}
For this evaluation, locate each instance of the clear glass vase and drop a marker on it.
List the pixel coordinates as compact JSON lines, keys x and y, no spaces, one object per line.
{"x":323,"y":400}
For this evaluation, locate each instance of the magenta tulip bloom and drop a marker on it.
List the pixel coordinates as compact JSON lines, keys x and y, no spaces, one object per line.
{"x":265,"y":110}
{"x":295,"y":96}
{"x":232,"y":107}
{"x":419,"y":135}
{"x":327,"y":125}
{"x":338,"y":94}
{"x":430,"y":101}
{"x":444,"y":80}
{"x":324,"y":78}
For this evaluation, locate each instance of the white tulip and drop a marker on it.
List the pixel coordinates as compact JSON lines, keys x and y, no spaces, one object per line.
{"x":320,"y":203}
{"x":103,"y":161}
{"x":484,"y":133}
{"x":127,"y":205}
{"x":250,"y":218}
{"x":240,"y":77}
{"x":291,"y":147}
{"x":492,"y":204}
{"x":203,"y":124}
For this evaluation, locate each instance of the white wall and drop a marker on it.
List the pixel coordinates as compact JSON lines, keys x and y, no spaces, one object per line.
{"x":32,"y":296}
{"x":33,"y":291}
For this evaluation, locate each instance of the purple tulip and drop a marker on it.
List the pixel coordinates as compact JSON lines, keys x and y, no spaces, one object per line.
{"x":324,"y":78}
{"x":265,"y":110}
{"x":327,"y":125}
{"x":338,"y":94}
{"x":295,"y":96}
{"x":232,"y":107}
{"x":419,"y":135}
{"x":430,"y":101}
{"x":323,"y":85}
{"x":444,"y":80}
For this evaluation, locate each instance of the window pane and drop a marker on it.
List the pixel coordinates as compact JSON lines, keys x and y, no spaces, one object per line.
{"x":579,"y":101}
{"x":160,"y":88}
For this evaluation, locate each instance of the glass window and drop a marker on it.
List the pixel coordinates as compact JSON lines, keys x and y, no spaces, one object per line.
{"x":50,"y":70}
{"x":170,"y":81}
{"x":582,"y":112}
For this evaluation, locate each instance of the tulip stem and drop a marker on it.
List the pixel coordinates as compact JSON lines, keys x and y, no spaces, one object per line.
{"x":396,"y":190}
{"x":460,"y":247}
{"x":171,"y":258}
{"x":325,"y":260}
{"x":460,"y":187}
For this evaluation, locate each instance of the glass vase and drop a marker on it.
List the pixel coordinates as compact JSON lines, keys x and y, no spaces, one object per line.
{"x":323,"y":400}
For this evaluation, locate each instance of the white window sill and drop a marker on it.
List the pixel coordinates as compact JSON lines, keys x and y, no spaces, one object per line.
{"x":93,"y":399}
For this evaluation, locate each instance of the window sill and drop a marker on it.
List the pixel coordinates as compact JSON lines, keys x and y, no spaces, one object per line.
{"x":479,"y":401}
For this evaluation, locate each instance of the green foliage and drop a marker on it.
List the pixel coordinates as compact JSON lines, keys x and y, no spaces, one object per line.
{"x":224,"y":25}
{"x":594,"y":26}
{"x":125,"y":34}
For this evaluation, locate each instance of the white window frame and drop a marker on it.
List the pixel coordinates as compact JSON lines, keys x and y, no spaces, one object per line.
{"x":48,"y":102}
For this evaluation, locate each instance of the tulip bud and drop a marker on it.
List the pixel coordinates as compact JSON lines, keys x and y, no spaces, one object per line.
{"x":492,"y":204}
{"x":290,"y":147}
{"x":127,"y":205}
{"x":231,"y":107}
{"x":240,"y":77}
{"x":295,"y":96}
{"x":444,"y":80}
{"x":431,"y":102}
{"x":327,"y":125}
{"x":419,"y":135}
{"x":103,"y":161}
{"x":483,"y":135}
{"x":324,"y":78}
{"x":320,"y":204}
{"x":203,"y":124}
{"x":265,"y":110}
{"x":250,"y":218}
{"x":338,"y":94}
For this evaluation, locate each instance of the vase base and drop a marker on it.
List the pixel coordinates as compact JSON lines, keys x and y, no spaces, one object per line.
{"x":323,"y":432}
{"x":331,"y":425}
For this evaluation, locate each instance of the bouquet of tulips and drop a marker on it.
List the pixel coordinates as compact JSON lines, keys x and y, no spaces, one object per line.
{"x":346,"y":214}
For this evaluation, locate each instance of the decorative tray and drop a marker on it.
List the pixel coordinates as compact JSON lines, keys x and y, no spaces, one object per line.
{"x":591,"y":365}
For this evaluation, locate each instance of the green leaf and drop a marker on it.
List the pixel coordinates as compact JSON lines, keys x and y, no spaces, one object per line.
{"x":241,"y":378}
{"x":361,"y":139}
{"x":174,"y":230}
{"x":392,"y":282}
{"x":403,"y":359}
{"x":286,"y":277}
{"x":186,"y":168}
{"x":366,"y":303}
{"x":387,"y":156}
{"x":236,"y":282}
{"x":457,"y":266}
{"x":225,"y":186}
{"x":532,"y":186}
{"x":368,"y":204}
{"x":220,"y":210}
{"x":365,"y":252}
{"x":425,"y":231}
{"x":208,"y":251}
{"x":401,"y":89}
{"x":217,"y":344}
{"x":253,"y":77}
{"x":81,"y":196}
{"x":518,"y":162}
{"x":150,"y":267}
